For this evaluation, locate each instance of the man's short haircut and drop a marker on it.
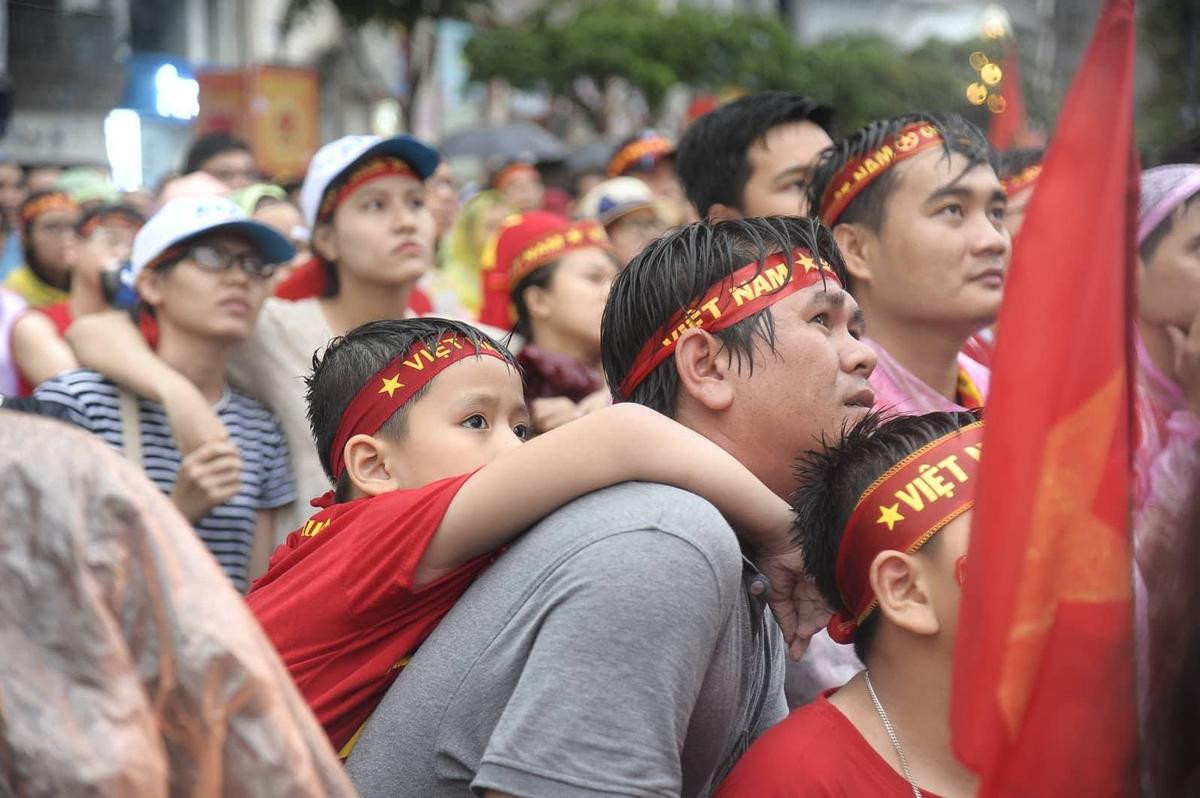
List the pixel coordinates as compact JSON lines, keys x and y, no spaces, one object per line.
{"x":350,"y":360}
{"x":1011,"y":163}
{"x":958,"y":136}
{"x":208,"y":146}
{"x":830,"y":480}
{"x":677,"y":269}
{"x":712,"y":161}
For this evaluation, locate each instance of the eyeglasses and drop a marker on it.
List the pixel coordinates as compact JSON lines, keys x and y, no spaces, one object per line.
{"x":211,"y":259}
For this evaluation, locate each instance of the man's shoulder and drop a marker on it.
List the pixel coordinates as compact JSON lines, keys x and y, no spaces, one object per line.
{"x":641,"y":506}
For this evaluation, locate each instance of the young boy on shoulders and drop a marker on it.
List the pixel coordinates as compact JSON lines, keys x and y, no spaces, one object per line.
{"x":422,"y":426}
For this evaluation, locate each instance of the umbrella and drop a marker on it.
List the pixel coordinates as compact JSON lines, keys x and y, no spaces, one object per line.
{"x":515,"y":140}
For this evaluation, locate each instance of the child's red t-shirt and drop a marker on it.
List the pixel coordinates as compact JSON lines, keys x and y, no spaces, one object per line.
{"x":339,"y":604}
{"x":814,"y":752}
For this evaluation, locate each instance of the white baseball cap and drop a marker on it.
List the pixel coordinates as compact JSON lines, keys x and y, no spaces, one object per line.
{"x":187,"y":217}
{"x":613,"y":198}
{"x":337,"y":157}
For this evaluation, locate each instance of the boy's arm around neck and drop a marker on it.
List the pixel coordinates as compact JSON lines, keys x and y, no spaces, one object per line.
{"x":617,"y":444}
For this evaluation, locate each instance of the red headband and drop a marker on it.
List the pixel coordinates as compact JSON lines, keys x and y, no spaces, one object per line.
{"x":113,"y":218}
{"x":511,"y":172}
{"x":750,"y":289}
{"x":539,"y":253}
{"x":56,"y":201}
{"x":860,"y":172}
{"x":382,"y":166}
{"x":900,"y":511}
{"x":395,"y":384}
{"x":653,"y":147}
{"x":1025,"y":178}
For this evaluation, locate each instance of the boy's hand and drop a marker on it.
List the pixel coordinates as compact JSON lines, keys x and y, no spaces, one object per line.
{"x":794,"y":599}
{"x":207,"y":478}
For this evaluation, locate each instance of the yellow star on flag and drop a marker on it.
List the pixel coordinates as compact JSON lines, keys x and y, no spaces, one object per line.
{"x":574,"y":237}
{"x":391,"y":385}
{"x":889,"y":515}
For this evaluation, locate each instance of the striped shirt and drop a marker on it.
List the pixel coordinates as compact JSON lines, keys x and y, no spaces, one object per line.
{"x":228,"y":530}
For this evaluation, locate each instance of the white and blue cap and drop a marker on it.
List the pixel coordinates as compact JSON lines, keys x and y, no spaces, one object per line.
{"x":338,"y":157}
{"x":187,"y":217}
{"x":611,"y":199}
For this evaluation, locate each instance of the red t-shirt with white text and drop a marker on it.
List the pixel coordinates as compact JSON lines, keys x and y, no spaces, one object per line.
{"x":339,"y":604}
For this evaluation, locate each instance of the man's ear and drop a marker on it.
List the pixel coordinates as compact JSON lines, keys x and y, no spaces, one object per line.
{"x":703,"y":366}
{"x":324,"y":242}
{"x":902,"y":589}
{"x":857,"y":244}
{"x":719,"y":212}
{"x":370,"y":465}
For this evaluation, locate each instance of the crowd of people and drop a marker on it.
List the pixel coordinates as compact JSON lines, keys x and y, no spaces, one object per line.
{"x":602,"y":485}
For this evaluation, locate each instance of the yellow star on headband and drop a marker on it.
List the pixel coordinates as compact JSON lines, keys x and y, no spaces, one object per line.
{"x":575,"y":236}
{"x":890,"y":515}
{"x":391,"y":385}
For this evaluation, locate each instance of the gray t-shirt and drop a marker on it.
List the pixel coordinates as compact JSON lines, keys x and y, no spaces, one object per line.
{"x":613,"y":650}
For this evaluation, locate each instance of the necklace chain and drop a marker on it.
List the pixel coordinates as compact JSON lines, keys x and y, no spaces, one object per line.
{"x":891,"y":731}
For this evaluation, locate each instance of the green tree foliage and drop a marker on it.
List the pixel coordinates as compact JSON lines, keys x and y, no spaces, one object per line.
{"x":575,"y":51}
{"x":1169,"y":112}
{"x":356,"y":13}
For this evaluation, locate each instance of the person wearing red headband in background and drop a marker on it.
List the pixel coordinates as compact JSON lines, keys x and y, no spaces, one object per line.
{"x":420,"y":424}
{"x":1019,"y":171}
{"x":650,"y":157}
{"x":520,"y":183}
{"x":622,"y":646}
{"x":38,"y":344}
{"x":884,"y":517}
{"x":364,"y":199}
{"x":48,"y":220}
{"x":556,"y":275}
{"x":918,"y":213}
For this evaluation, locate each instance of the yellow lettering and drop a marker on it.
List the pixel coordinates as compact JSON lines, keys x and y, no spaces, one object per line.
{"x":778,"y":276}
{"x":712,"y":308}
{"x":742,"y":294}
{"x":951,"y":465}
{"x":909,"y":496}
{"x":761,"y":286}
{"x":935,"y":482}
{"x":974,"y":452}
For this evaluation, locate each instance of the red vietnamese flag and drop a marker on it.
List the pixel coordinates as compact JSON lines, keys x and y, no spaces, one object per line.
{"x":1008,"y":128}
{"x":1043,"y":680}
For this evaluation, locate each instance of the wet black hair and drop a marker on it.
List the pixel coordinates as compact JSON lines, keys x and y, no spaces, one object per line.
{"x":958,"y":136}
{"x":712,"y":161}
{"x":679,"y":268}
{"x":831,"y":479}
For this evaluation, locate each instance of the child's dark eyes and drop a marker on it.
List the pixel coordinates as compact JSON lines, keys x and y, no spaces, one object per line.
{"x":521,"y":431}
{"x":820,"y":318}
{"x":475,"y":422}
